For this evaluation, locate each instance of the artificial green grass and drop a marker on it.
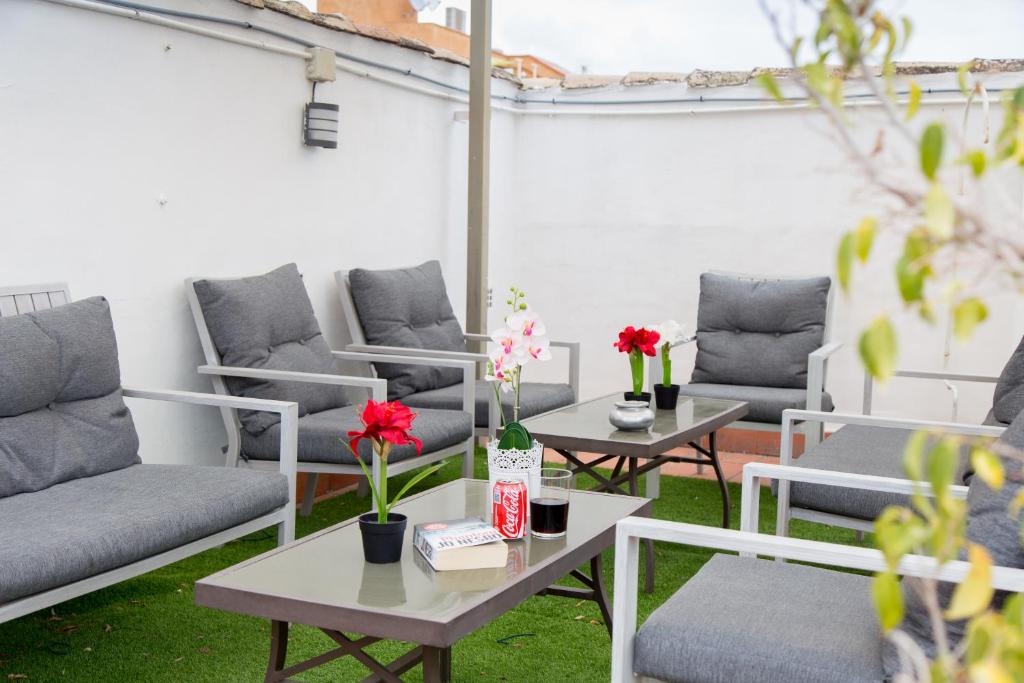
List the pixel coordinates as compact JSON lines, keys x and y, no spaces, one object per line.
{"x":149,"y":629}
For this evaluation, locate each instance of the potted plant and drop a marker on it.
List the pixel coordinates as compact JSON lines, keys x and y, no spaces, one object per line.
{"x":522,"y":340}
{"x":385,"y":424}
{"x":671,"y":334}
{"x":637,"y":344}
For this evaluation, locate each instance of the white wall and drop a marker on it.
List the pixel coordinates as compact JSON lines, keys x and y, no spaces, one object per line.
{"x":133,"y":156}
{"x":619,"y":215}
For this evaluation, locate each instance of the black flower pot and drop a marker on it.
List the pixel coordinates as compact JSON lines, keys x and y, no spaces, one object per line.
{"x":665,"y":397}
{"x":645,"y":396}
{"x":382,"y":543}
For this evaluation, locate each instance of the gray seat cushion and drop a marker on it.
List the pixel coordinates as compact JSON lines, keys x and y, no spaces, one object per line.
{"x":859,"y":450}
{"x":990,"y":419}
{"x":990,"y":524}
{"x":267,"y":322}
{"x":744,"y":620}
{"x":765,"y":404}
{"x":322,"y":436}
{"x":534,"y":398}
{"x":758,"y":332}
{"x":80,"y":528}
{"x":408,"y":307}
{"x":1008,"y":398}
{"x":61,"y":412}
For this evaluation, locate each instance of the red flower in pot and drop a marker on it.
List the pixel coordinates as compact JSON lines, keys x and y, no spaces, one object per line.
{"x":637,"y":343}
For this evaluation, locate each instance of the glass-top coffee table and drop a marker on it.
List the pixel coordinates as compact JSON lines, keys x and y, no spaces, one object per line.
{"x":322,"y":580}
{"x":584,"y":427}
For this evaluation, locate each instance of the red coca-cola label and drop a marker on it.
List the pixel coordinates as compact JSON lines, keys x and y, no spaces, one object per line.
{"x":509,"y":508}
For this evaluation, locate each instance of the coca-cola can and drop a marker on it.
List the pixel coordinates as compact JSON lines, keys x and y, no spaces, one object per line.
{"x":508,"y":509}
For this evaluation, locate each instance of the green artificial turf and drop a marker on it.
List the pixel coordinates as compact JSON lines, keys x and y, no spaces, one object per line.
{"x":149,"y":629}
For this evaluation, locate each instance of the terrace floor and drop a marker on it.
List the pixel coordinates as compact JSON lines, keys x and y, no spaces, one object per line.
{"x":148,"y":629}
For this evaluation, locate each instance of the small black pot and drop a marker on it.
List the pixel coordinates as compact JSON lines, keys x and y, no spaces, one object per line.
{"x":645,"y":396}
{"x":382,"y":543}
{"x":665,"y":397}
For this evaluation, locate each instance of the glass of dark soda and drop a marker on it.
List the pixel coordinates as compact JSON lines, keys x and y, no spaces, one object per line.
{"x":549,"y":508}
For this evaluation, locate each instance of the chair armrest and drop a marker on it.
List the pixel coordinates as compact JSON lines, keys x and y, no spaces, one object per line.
{"x":792,"y":415}
{"x":403,"y":353}
{"x":468,"y":370}
{"x":755,"y":472}
{"x":378,"y":387}
{"x":629,"y":531}
{"x":817,"y":361}
{"x":952,"y":376}
{"x":943,"y":375}
{"x":289,"y":412}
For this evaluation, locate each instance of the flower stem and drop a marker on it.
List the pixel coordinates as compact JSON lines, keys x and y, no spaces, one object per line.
{"x":636,"y":366}
{"x":518,"y":382}
{"x":383,"y":448}
{"x":666,"y":365}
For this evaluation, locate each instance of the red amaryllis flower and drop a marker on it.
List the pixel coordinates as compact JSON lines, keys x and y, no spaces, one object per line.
{"x":643,"y":340}
{"x":385,"y":422}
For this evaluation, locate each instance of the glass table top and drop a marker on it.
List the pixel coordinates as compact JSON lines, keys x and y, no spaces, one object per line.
{"x":585,"y":425}
{"x":328,"y":568}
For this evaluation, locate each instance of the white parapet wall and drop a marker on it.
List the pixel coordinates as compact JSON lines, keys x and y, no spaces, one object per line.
{"x":621,"y":207}
{"x":134,"y":155}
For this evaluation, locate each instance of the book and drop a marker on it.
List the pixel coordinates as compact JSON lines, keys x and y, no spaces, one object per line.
{"x":469,"y":543}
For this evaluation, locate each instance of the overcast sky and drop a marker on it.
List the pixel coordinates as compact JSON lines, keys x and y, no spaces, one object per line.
{"x":617,"y":36}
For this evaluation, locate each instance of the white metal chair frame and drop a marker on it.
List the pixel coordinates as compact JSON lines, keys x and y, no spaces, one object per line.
{"x":359,"y":344}
{"x":748,"y":542}
{"x":947,"y":379}
{"x":41,"y":297}
{"x":817,"y":370}
{"x":377,"y":389}
{"x":787,"y":511}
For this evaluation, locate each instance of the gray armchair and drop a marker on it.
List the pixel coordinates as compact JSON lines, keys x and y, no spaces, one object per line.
{"x":406,"y":312}
{"x":764,"y":340}
{"x":261,"y":338}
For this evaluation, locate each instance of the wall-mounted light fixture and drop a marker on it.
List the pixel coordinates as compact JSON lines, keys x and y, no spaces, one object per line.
{"x":320,"y":119}
{"x":320,"y":125}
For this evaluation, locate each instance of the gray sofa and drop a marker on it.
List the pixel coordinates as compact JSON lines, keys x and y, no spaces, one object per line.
{"x":870,"y":445}
{"x":749,"y":620}
{"x":80,"y":509}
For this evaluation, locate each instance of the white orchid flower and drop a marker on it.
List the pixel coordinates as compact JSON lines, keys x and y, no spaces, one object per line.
{"x":509,"y":342}
{"x":499,"y":368}
{"x":538,"y":348}
{"x":526,"y":323}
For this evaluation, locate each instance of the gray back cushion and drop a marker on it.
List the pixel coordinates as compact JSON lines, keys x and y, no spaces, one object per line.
{"x":1008,"y":400}
{"x":990,"y":524}
{"x":62,"y":415}
{"x":758,"y":332}
{"x":267,"y":322}
{"x":408,"y":307}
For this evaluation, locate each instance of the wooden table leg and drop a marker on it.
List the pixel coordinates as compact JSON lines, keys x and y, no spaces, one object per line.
{"x":278,"y":650}
{"x":437,"y":664}
{"x":634,"y":490}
